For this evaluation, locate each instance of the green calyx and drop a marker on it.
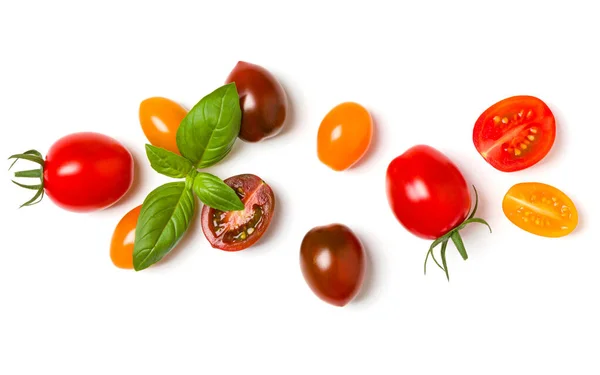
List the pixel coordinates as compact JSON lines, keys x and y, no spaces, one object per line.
{"x":454,"y":235}
{"x":36,"y":157}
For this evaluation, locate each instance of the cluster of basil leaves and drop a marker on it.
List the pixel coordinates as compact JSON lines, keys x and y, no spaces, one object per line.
{"x":205,"y":136}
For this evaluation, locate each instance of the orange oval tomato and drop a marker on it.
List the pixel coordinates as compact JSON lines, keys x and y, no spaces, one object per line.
{"x":121,"y":245}
{"x":540,"y":209}
{"x":344,"y":136}
{"x":160,"y":119}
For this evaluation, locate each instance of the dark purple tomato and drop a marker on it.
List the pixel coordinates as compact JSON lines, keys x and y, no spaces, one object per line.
{"x":332,"y":260}
{"x":262,"y":99}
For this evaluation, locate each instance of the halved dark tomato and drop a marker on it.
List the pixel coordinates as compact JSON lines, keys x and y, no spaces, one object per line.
{"x":515,"y":133}
{"x":238,"y":230}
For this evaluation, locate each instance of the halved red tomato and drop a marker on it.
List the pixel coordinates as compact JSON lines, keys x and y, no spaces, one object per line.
{"x":238,"y":230}
{"x":515,"y":133}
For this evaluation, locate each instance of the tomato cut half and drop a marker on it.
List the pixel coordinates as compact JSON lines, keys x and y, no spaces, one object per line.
{"x":540,"y":209}
{"x":238,"y":230}
{"x":515,"y":133}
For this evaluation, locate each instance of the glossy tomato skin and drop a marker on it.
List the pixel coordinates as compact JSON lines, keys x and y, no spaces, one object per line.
{"x":332,"y":260}
{"x":160,"y":118}
{"x":540,"y":209}
{"x":87,"y":172}
{"x":344,"y":136}
{"x":262,"y":99}
{"x":515,"y":133}
{"x":427,"y":192}
{"x":123,"y":239}
{"x":238,"y":230}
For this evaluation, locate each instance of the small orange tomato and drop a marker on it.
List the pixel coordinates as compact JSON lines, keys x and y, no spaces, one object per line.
{"x":344,"y":136}
{"x":160,"y":119}
{"x":540,"y":209}
{"x":121,"y":246}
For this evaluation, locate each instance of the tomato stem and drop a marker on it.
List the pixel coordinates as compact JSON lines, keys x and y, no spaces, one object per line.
{"x":460,"y":246}
{"x":443,"y":255}
{"x":32,"y":173}
{"x":36,"y":157}
{"x":454,"y":235}
{"x":435,"y":260}
{"x":30,"y":187}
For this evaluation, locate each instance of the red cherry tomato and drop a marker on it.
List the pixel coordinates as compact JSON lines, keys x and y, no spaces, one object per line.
{"x":160,"y":119}
{"x":332,"y":260}
{"x":430,"y":197}
{"x":83,"y":172}
{"x":238,"y":230}
{"x":515,"y":133}
{"x":123,"y":239}
{"x":427,"y":192}
{"x":263,"y":101}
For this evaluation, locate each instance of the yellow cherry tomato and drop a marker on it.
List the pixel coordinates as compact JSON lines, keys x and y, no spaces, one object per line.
{"x":540,"y":209}
{"x":123,"y":239}
{"x":344,"y":136}
{"x":160,"y":119}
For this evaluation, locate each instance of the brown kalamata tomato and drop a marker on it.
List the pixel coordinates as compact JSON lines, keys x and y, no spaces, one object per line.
{"x":332,"y":260}
{"x":263,"y":101}
{"x":238,"y":230}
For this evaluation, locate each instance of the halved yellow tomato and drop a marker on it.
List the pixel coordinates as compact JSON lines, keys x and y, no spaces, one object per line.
{"x":540,"y":209}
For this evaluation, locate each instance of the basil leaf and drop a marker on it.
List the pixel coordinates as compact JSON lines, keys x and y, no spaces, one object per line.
{"x":167,"y":162}
{"x":209,"y":130}
{"x":215,"y":193}
{"x":165,"y":216}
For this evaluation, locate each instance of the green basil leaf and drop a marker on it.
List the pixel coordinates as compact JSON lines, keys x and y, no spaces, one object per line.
{"x":165,"y":216}
{"x":209,"y":130}
{"x":167,"y":162}
{"x":213,"y":192}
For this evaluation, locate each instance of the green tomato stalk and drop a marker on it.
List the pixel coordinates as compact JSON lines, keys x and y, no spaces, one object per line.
{"x":454,"y":235}
{"x":36,"y":157}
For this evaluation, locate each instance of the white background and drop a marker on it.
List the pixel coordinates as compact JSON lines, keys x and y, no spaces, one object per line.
{"x":520,"y":304}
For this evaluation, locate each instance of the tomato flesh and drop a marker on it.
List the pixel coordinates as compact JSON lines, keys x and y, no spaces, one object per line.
{"x":123,"y":239}
{"x":515,"y":133}
{"x":160,"y":119}
{"x":238,"y":230}
{"x":85,"y":172}
{"x":540,"y":209}
{"x":427,"y":192}
{"x":344,"y":136}
{"x":262,"y":99}
{"x":332,"y":260}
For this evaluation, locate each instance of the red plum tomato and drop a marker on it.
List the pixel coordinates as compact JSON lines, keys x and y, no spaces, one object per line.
{"x":85,"y":172}
{"x":430,"y":197}
{"x":427,"y":193}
